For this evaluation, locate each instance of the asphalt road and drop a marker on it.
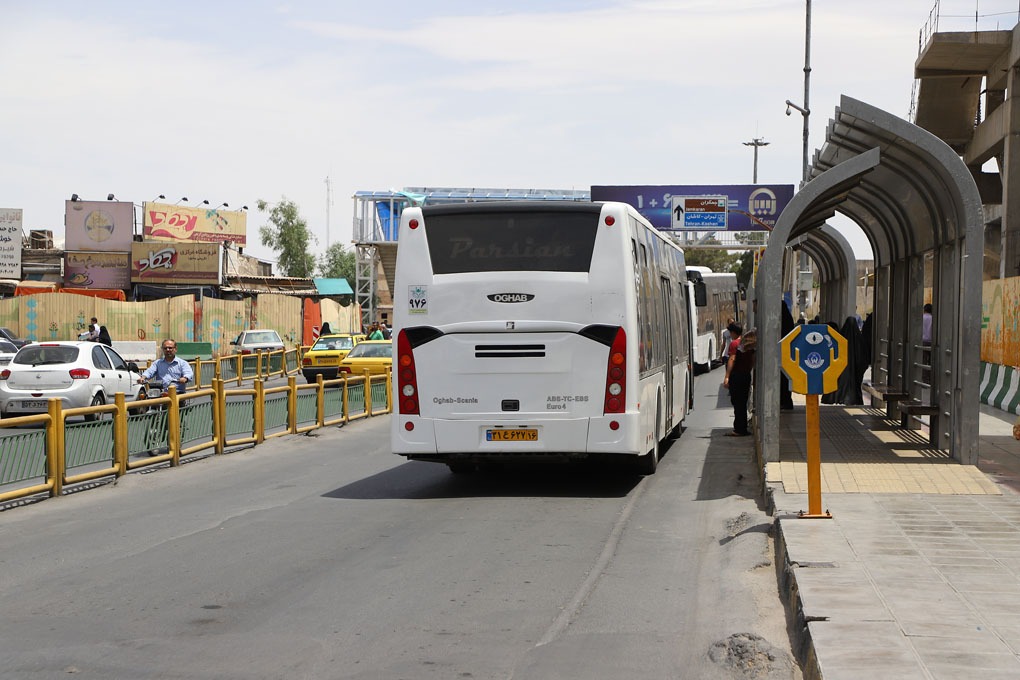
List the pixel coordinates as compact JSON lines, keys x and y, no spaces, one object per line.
{"x":328,"y":557}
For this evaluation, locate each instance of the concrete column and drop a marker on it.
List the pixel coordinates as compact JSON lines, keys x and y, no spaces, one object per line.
{"x":1009,"y":265}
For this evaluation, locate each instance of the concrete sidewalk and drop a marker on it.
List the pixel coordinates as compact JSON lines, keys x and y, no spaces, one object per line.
{"x":917,"y":574}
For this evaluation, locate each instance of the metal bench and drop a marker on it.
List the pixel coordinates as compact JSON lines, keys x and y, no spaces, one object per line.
{"x":884,"y":393}
{"x":915,"y":407}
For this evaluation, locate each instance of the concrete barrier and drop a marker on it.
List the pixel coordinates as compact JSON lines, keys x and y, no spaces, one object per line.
{"x":139,"y":351}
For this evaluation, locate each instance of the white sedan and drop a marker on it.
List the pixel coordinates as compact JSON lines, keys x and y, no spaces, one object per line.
{"x":7,"y":352}
{"x":77,"y":373}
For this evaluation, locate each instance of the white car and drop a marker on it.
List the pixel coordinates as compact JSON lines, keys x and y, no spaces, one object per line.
{"x":78,"y":373}
{"x":7,"y":352}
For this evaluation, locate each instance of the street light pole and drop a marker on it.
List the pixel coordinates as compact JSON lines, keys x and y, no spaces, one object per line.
{"x":756,"y":142}
{"x":805,"y":111}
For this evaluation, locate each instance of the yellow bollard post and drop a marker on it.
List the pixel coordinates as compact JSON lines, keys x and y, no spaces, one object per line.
{"x":55,"y":448}
{"x":260,"y":412}
{"x":173,"y":426}
{"x":292,"y":404}
{"x":320,"y":400}
{"x":219,"y":411}
{"x":814,"y":458}
{"x":813,"y":356}
{"x":120,"y":434}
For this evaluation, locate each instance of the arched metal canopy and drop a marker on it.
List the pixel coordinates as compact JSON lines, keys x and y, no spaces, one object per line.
{"x":914,"y":199}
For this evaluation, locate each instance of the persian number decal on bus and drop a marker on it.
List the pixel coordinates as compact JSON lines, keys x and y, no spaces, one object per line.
{"x":417,"y":300}
{"x":569,"y":323}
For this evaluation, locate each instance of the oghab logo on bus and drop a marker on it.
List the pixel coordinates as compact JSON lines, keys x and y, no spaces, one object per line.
{"x":511,"y":297}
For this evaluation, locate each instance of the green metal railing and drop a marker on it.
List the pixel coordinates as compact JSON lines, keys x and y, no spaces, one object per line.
{"x":46,"y":452}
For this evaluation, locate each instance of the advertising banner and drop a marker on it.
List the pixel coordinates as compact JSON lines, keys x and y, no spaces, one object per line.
{"x":10,"y":243}
{"x":160,"y":262}
{"x":164,"y":222}
{"x":97,"y":270}
{"x":98,"y":225}
{"x":750,"y":207}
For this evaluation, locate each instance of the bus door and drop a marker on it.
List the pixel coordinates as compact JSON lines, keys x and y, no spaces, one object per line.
{"x":670,"y":338}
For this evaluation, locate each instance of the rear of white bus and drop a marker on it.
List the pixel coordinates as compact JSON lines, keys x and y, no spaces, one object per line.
{"x":512,"y":334}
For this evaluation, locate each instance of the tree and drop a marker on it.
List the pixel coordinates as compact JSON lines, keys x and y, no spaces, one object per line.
{"x":717,"y":260}
{"x":337,"y":263}
{"x":290,"y":237}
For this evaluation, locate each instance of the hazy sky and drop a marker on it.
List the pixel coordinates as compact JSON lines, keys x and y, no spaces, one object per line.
{"x":237,"y":101}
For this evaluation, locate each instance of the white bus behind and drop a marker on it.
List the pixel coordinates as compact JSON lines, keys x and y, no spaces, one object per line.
{"x":532,"y":330}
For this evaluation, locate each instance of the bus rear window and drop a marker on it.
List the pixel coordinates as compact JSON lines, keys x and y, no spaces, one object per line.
{"x":554,"y":241}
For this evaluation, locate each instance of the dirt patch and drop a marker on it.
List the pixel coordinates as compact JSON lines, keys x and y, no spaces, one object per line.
{"x":746,"y":655}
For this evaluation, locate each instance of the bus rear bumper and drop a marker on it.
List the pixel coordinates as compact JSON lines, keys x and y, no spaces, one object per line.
{"x":540,"y":438}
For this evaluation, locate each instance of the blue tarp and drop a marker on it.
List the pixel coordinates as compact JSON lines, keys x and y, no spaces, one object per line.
{"x":333,"y":287}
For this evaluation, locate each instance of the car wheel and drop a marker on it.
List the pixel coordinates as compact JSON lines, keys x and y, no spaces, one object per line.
{"x":97,"y":400}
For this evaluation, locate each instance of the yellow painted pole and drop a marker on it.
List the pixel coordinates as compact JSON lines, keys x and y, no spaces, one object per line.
{"x":814,"y":457}
{"x":120,"y":432}
{"x":219,"y":411}
{"x":173,"y":424}
{"x":55,"y":447}
{"x":292,"y":404}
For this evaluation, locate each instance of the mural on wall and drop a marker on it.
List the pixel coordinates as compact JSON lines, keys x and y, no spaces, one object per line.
{"x":1000,"y":321}
{"x":63,"y":316}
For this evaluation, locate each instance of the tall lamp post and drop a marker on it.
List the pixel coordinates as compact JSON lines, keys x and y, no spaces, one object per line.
{"x":756,"y":142}
{"x":805,"y":112}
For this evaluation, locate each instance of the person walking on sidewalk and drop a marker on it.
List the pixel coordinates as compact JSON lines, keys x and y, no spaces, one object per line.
{"x":738,"y":380}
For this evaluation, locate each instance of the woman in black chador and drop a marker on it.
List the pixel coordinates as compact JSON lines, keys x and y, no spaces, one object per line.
{"x":785,"y":396}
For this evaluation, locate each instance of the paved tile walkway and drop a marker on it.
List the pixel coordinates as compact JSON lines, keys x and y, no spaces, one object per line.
{"x":864,"y":452}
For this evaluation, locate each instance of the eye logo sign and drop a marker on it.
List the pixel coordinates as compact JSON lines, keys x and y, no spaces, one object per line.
{"x":511,"y":297}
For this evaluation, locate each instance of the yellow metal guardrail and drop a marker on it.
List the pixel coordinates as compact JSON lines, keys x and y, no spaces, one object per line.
{"x":238,"y":417}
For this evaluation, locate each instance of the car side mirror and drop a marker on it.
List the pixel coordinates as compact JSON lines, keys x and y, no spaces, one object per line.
{"x":132,"y":366}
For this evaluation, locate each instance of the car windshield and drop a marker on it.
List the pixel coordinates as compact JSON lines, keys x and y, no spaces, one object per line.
{"x":7,"y":348}
{"x":38,"y":355}
{"x":333,"y":343}
{"x":366,"y":349}
{"x":254,"y":337}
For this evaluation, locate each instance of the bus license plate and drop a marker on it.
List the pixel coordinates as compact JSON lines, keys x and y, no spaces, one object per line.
{"x":511,"y":435}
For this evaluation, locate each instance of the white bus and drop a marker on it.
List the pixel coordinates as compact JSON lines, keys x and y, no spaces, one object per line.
{"x":719,"y":301}
{"x":532,"y":330}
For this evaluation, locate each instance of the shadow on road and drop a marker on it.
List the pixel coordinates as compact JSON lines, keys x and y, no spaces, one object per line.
{"x":730,"y":468}
{"x":414,"y":479}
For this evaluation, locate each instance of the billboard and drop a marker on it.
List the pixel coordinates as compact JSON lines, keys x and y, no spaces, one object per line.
{"x":10,"y":243}
{"x":161,"y":262}
{"x":98,"y":225}
{"x":750,"y":207}
{"x":165,"y":222}
{"x":85,"y":269}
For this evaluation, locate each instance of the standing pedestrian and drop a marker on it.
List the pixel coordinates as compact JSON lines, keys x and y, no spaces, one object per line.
{"x":738,"y":380}
{"x":104,"y":337}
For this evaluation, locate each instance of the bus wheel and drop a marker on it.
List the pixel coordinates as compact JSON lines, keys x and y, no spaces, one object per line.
{"x":647,"y":463}
{"x":461,"y":467}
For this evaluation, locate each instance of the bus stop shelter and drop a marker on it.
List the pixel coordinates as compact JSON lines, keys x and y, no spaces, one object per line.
{"x":919,"y":207}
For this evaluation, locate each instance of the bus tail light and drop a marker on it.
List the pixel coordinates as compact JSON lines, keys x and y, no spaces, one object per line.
{"x":407,"y":377}
{"x":616,"y":375}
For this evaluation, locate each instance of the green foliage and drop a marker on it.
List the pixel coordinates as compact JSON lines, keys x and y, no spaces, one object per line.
{"x":717,"y":260}
{"x":338,"y":263}
{"x":289,"y":236}
{"x":746,"y":268}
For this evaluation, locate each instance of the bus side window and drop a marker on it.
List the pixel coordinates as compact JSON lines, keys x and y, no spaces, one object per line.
{"x":700,"y":294}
